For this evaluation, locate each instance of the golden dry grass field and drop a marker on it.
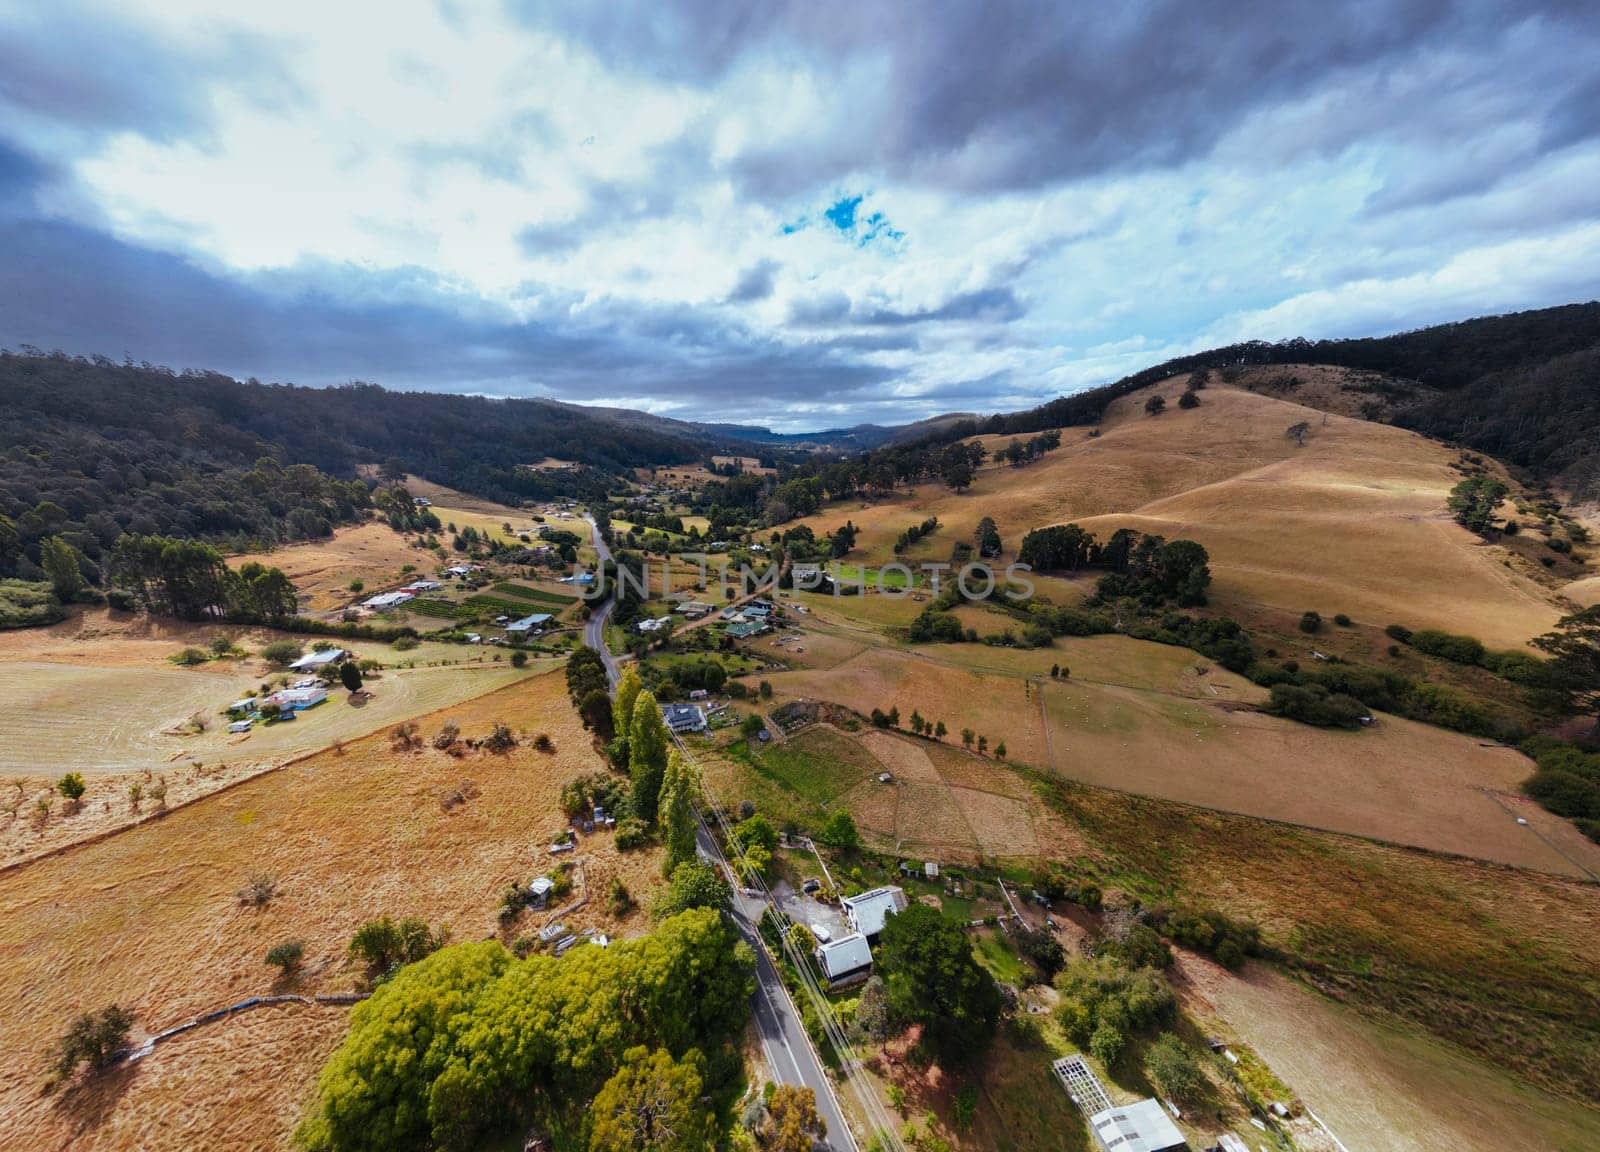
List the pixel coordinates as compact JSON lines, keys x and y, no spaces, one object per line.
{"x":1162,"y":721}
{"x":149,"y":918}
{"x":322,"y":570}
{"x":1352,"y":522}
{"x":99,"y":696}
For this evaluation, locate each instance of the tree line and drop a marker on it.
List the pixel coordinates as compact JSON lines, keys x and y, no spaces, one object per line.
{"x":1147,"y":567}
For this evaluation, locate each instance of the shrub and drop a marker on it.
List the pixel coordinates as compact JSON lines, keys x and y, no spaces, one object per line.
{"x":1172,"y":1064}
{"x":1106,"y":1043}
{"x":286,"y":956}
{"x":1314,"y":704}
{"x":281,"y":652}
{"x":1311,"y":622}
{"x":619,"y":901}
{"x":189,"y":657}
{"x":1399,"y":632}
{"x":519,"y":659}
{"x":1342,"y":620}
{"x":500,"y":739}
{"x":404,"y":643}
{"x":121,"y":600}
{"x":94,"y":1039}
{"x":71,"y":787}
{"x":631,"y":833}
{"x":259,"y":891}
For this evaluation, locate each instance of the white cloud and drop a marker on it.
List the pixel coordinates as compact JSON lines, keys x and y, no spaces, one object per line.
{"x":462,"y":157}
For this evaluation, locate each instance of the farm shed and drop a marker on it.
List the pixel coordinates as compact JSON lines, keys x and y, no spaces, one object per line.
{"x":528,"y":624}
{"x":387,"y":600}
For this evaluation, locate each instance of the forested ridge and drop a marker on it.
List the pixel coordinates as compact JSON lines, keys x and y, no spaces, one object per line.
{"x":90,"y":449}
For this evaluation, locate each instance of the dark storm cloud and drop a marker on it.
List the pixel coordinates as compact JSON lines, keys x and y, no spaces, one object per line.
{"x":80,"y":291}
{"x":20,"y":175}
{"x":92,"y":73}
{"x":1024,"y":93}
{"x":988,"y":305}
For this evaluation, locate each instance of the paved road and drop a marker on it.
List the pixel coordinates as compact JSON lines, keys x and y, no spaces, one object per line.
{"x":784,"y":1041}
{"x":594,"y":631}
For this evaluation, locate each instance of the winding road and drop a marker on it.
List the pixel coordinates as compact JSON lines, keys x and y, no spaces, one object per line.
{"x":784,"y":1042}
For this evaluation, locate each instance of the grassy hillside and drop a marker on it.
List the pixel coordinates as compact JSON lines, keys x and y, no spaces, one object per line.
{"x":1353,"y":522}
{"x":1519,"y":386}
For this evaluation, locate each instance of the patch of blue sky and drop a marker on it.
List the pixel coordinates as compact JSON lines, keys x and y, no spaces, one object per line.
{"x":843,"y":215}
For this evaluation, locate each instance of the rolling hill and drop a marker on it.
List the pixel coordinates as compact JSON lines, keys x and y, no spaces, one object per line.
{"x":1354,"y":521}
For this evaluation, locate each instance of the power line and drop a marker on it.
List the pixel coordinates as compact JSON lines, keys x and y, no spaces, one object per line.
{"x":871,"y":1106}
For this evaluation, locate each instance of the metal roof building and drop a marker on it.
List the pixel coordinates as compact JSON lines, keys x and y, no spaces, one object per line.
{"x":868,"y":911}
{"x":1141,"y":1127}
{"x":845,"y":959}
{"x":683,"y":717}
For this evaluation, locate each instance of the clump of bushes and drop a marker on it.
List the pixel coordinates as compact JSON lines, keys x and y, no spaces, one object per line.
{"x":1172,"y":1065}
{"x":385,"y":944}
{"x":579,"y":796}
{"x":1229,"y":940}
{"x":1311,"y":622}
{"x":500,"y":739}
{"x":1566,"y":782}
{"x":631,"y":833}
{"x":1315,"y":704}
{"x":286,"y":956}
{"x":1103,"y":1003}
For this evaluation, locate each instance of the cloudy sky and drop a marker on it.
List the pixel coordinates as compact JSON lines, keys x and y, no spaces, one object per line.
{"x":801,"y":215}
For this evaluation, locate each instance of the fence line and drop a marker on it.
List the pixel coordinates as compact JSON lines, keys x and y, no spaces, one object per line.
{"x":132,"y":1055}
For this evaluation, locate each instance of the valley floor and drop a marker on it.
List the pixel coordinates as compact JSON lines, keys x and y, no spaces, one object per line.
{"x":150,"y":919}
